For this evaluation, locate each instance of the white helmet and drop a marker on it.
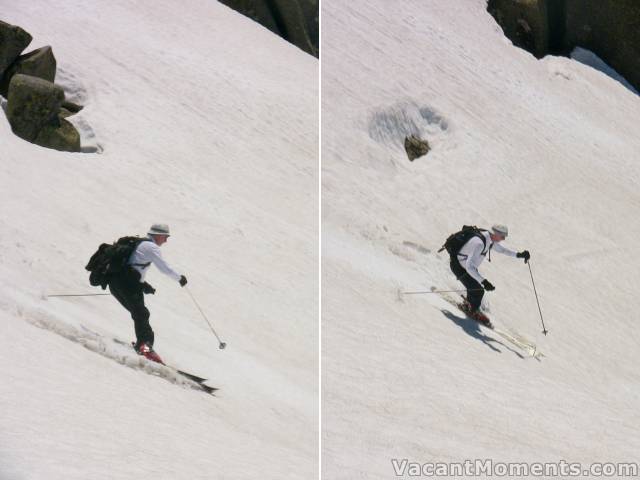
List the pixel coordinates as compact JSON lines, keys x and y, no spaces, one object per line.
{"x":500,"y":230}
{"x":159,"y":229}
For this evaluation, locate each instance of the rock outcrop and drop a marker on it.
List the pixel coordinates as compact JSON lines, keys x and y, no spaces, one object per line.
{"x":36,"y":107}
{"x":32,"y":103}
{"x":39,"y":63}
{"x":13,"y":40}
{"x":524,"y":22}
{"x":34,"y":113}
{"x":294,"y":20}
{"x":60,"y":135}
{"x":609,"y":28}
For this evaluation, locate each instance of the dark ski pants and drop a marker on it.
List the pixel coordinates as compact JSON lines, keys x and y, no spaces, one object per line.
{"x":475,"y":292}
{"x":127,"y":289}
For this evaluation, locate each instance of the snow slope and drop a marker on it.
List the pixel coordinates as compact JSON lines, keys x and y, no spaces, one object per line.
{"x":589,"y":58}
{"x":547,"y":147}
{"x":208,"y":122}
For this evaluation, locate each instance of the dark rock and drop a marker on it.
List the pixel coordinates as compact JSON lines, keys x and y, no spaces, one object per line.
{"x":60,"y":135}
{"x":415,"y":147}
{"x":39,"y":63}
{"x":13,"y":40}
{"x":290,"y":17}
{"x":64,"y":113}
{"x":608,"y":28}
{"x":71,"y":107}
{"x":32,"y":103}
{"x":294,"y":20}
{"x":524,"y":23}
{"x":310,"y":9}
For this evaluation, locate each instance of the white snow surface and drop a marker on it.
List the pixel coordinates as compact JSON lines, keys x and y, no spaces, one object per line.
{"x":208,"y":122}
{"x":587,"y":57}
{"x":547,"y":147}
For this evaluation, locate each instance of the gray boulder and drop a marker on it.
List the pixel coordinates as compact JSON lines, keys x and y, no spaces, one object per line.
{"x":13,"y":40}
{"x":32,"y":103}
{"x":60,"y":135}
{"x":39,"y":63}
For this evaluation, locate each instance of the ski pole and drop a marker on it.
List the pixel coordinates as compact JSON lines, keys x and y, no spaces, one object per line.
{"x":443,"y":291}
{"x":544,"y":330}
{"x":222,"y":344}
{"x":80,"y":295}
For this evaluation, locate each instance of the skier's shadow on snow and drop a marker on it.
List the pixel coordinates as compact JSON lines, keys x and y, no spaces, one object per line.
{"x":472,"y":328}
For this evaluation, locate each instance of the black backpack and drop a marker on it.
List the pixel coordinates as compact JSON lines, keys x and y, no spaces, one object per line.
{"x":456,"y":241}
{"x":111,"y":259}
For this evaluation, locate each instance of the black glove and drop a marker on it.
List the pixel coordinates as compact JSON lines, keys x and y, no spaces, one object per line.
{"x":487,"y":286}
{"x":183,"y":281}
{"x":524,"y":254}
{"x":146,"y":288}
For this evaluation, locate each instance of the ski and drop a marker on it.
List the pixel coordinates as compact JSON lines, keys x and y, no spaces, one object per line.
{"x":156,"y":358}
{"x":197,"y":382}
{"x":515,"y":340}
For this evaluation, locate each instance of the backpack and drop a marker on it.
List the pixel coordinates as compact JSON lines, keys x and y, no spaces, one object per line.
{"x":456,"y":241}
{"x":111,"y":259}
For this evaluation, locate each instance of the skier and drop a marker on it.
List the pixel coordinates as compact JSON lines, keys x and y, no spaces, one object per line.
{"x":464,"y":265}
{"x":129,"y":286}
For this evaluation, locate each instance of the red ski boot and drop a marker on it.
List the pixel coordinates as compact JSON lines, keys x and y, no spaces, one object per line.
{"x":475,"y":314}
{"x":148,"y":352}
{"x":480,"y":317}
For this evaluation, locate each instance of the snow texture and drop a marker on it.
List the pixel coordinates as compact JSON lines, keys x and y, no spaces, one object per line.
{"x":208,"y":122}
{"x":587,"y":57}
{"x":547,"y":147}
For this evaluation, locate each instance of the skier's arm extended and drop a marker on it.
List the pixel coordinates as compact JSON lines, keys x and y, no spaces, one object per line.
{"x":504,"y":250}
{"x":156,"y":257}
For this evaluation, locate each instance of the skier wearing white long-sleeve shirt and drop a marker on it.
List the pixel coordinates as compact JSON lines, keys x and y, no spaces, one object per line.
{"x":129,"y":287}
{"x":467,"y":260}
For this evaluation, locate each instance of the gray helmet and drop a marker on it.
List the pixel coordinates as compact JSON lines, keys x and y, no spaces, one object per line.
{"x":159,"y":229}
